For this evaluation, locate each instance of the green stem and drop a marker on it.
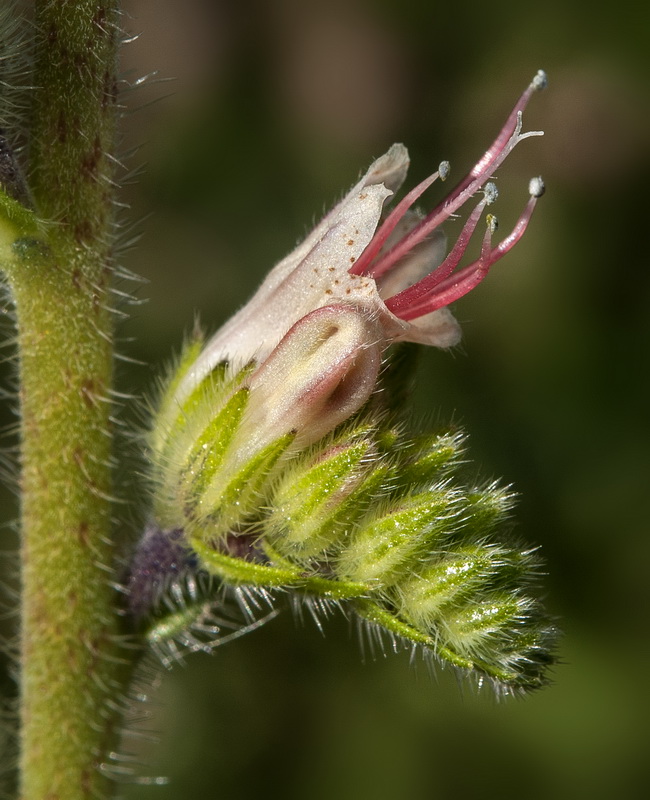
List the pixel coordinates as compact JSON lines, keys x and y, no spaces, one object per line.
{"x":72,"y":666}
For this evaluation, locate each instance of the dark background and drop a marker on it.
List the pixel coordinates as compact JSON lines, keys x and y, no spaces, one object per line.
{"x":273,"y":110}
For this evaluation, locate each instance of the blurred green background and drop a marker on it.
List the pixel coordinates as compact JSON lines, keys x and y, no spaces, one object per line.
{"x":273,"y":110}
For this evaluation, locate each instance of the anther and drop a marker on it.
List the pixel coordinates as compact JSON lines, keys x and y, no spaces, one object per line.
{"x":540,"y":81}
{"x":443,"y":170}
{"x":536,"y":187}
{"x":492,"y":223}
{"x":491,"y":193}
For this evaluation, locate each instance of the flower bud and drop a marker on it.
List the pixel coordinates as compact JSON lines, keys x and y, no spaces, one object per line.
{"x":447,"y":582}
{"x":390,"y":541}
{"x":313,"y":501}
{"x":429,"y":457}
{"x":470,"y":628}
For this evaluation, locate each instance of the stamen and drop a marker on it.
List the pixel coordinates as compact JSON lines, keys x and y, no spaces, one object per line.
{"x":392,"y":220}
{"x":462,"y":282}
{"x":507,"y":139}
{"x":537,"y":189}
{"x":413,"y":295}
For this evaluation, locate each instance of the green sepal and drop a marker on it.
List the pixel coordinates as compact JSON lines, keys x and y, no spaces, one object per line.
{"x":474,"y":625}
{"x":486,"y":509}
{"x":210,"y":449}
{"x":505,"y":639}
{"x":179,"y":424}
{"x":202,"y":415}
{"x":306,"y":500}
{"x":341,"y":519}
{"x":195,"y":410}
{"x":222,"y":509}
{"x":167,"y":405}
{"x":388,"y":440}
{"x":388,"y":543}
{"x":529,"y":655}
{"x":427,"y":459}
{"x":451,"y":579}
{"x":382,"y":617}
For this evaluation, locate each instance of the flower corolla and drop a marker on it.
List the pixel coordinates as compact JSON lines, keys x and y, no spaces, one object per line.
{"x":390,"y":268}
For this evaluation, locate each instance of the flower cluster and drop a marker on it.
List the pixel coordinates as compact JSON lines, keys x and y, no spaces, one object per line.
{"x":277,"y":465}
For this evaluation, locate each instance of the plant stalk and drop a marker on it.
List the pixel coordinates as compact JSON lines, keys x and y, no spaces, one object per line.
{"x":72,"y":669}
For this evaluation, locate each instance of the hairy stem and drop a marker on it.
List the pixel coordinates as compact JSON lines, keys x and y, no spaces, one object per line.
{"x":71,"y":667}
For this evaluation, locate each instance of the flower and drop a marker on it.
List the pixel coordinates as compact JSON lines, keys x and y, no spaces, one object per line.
{"x":394,"y":272}
{"x":304,"y":354}
{"x":272,"y":472}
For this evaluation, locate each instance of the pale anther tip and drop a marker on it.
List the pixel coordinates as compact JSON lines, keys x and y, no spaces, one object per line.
{"x":443,"y":170}
{"x":492,"y":222}
{"x":536,"y":187}
{"x":540,"y":81}
{"x":490,"y":192}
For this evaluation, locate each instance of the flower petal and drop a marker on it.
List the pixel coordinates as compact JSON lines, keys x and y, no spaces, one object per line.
{"x":437,"y":329}
{"x":311,"y":277}
{"x":323,"y":370}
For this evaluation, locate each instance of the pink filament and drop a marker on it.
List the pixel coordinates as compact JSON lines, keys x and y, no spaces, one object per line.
{"x":369,"y":264}
{"x":416,"y":293}
{"x":362,"y":265}
{"x":456,"y":286}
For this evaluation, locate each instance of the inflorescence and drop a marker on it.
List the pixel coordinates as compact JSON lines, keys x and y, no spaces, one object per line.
{"x":279,"y":467}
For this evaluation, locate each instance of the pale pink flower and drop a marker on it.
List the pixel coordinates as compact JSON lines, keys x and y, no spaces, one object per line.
{"x":390,"y":269}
